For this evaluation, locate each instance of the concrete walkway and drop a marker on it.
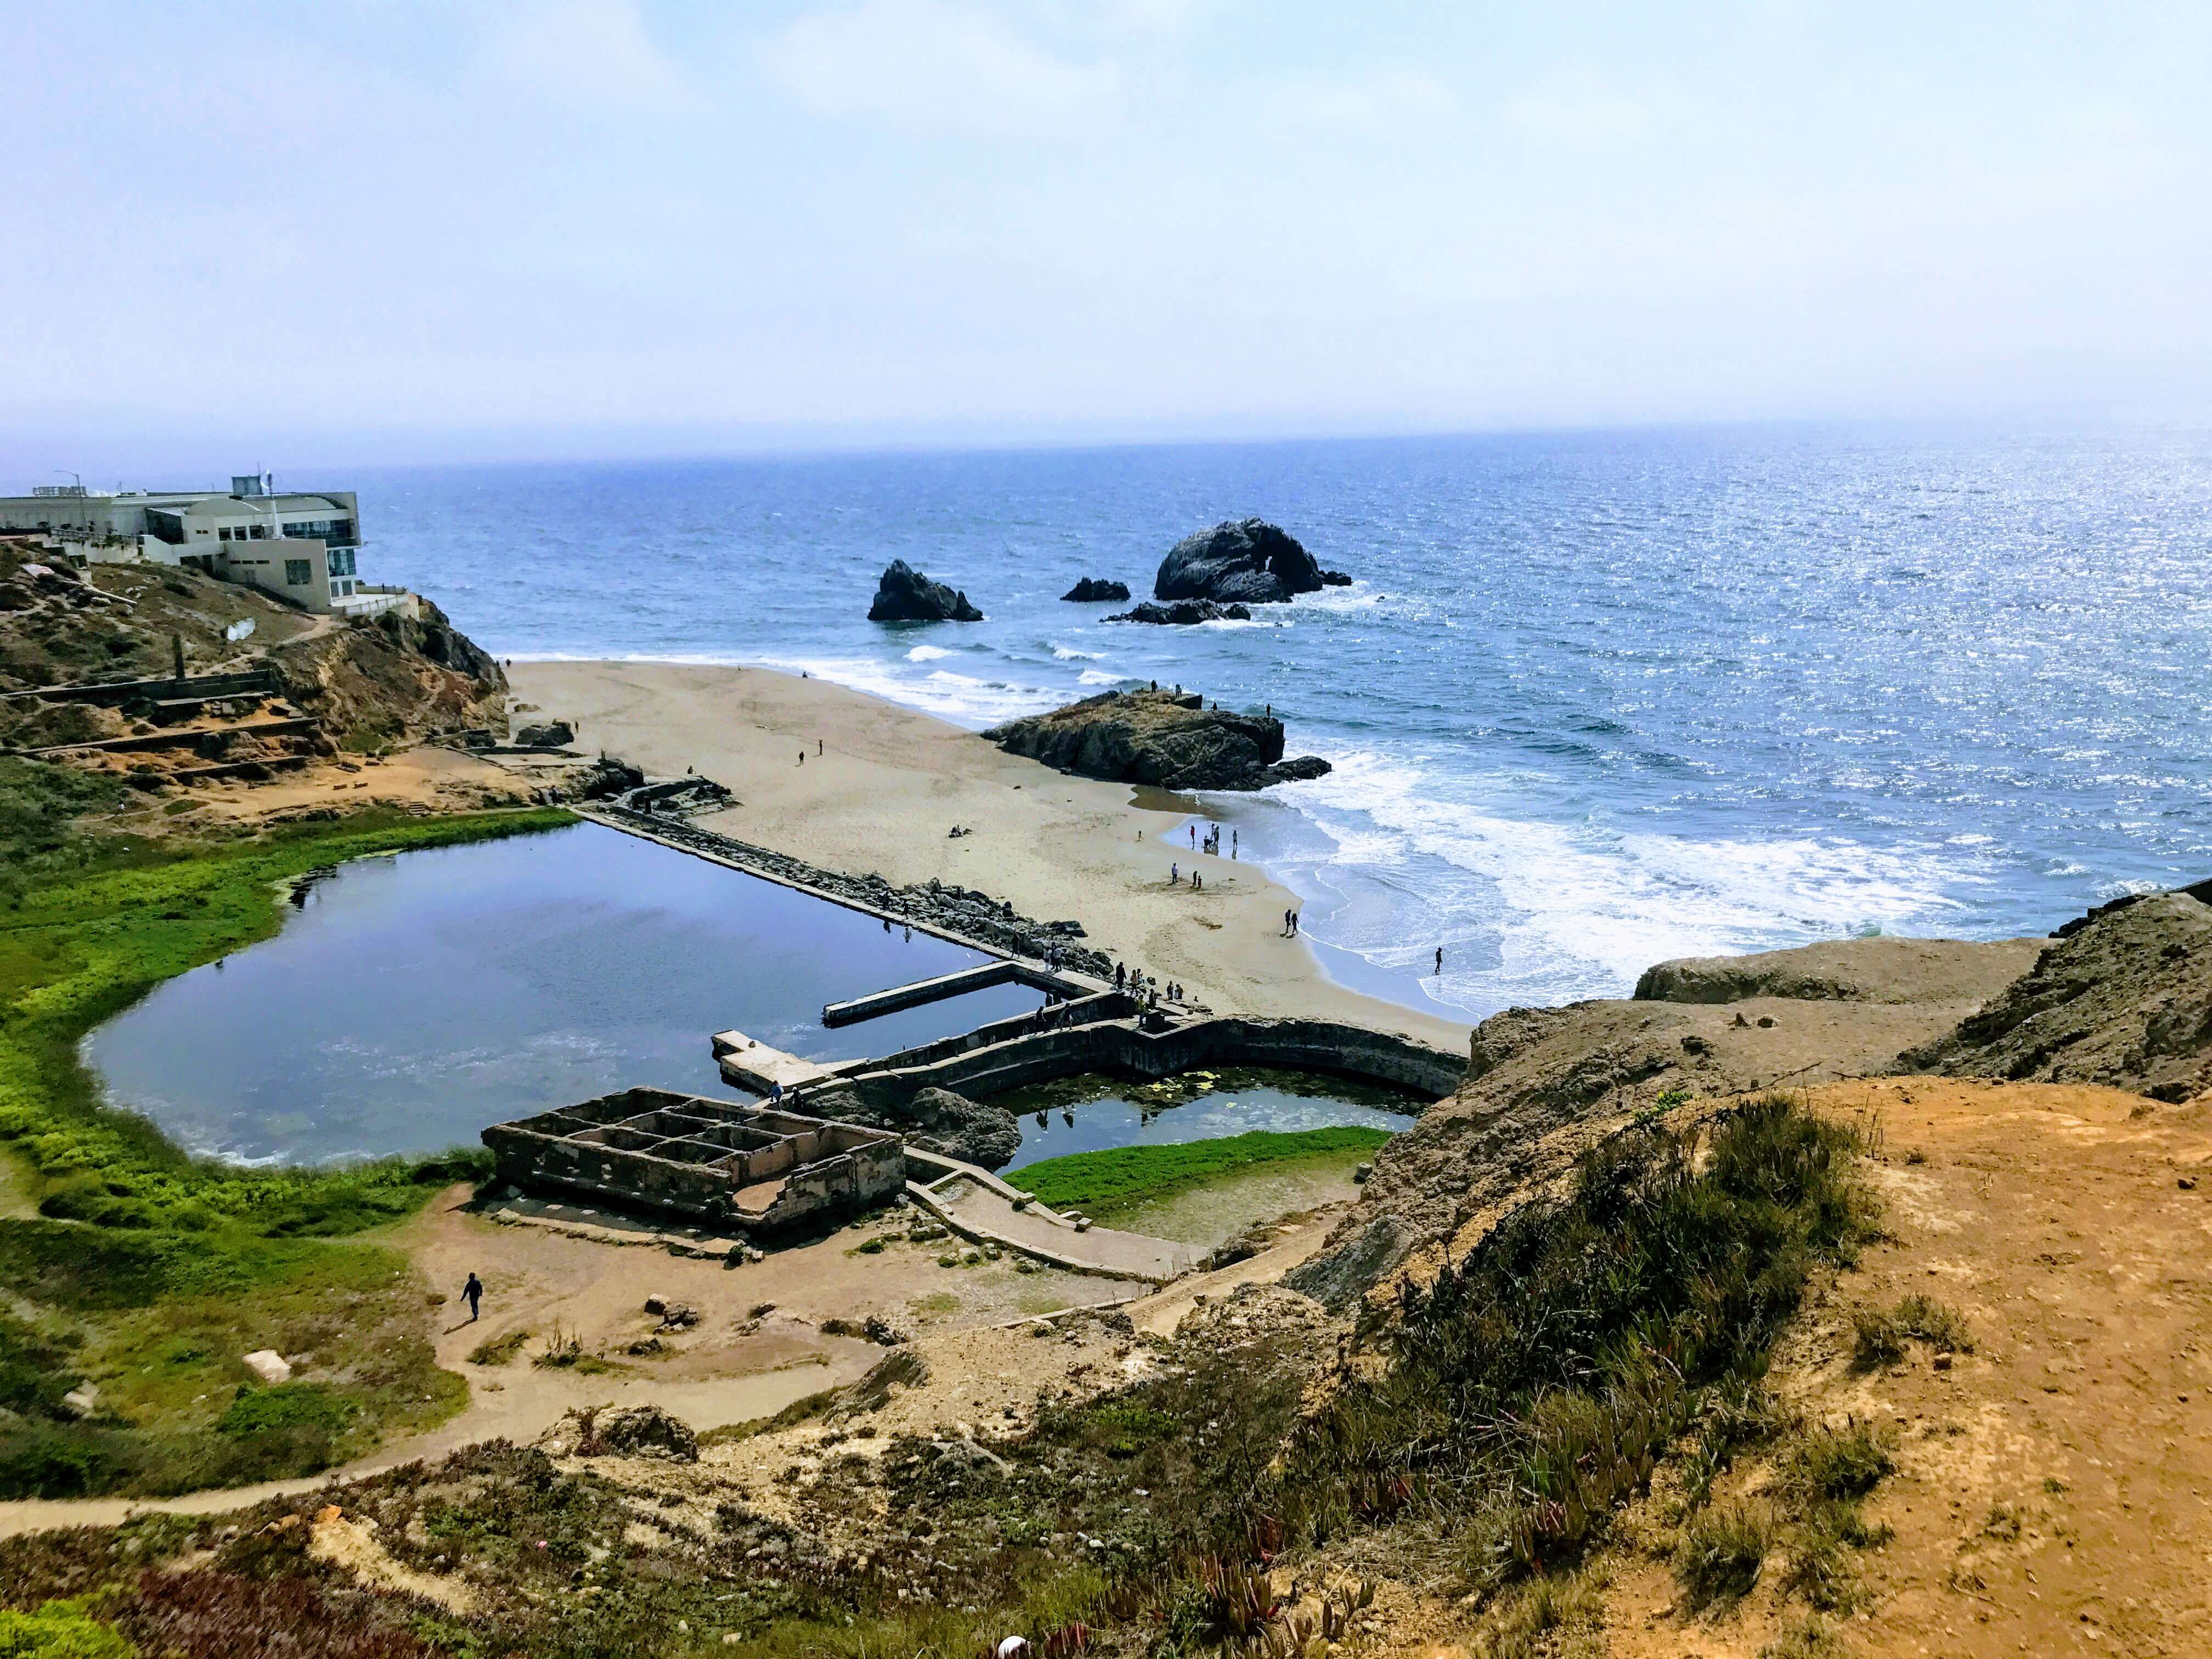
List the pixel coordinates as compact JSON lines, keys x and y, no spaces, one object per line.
{"x":978,"y":1205}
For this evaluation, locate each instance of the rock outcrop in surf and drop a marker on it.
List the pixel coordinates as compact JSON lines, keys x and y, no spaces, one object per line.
{"x":1168,"y":738}
{"x":1095,"y":590}
{"x":905,"y":594}
{"x":1184,"y":613}
{"x":1247,"y":560}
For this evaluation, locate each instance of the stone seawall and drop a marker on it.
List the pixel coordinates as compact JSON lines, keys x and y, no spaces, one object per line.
{"x":1120,"y":1046}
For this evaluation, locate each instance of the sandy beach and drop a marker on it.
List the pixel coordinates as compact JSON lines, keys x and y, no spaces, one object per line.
{"x":888,"y":785}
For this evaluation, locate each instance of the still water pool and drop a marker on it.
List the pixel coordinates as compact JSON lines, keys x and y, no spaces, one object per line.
{"x":410,"y":1001}
{"x":1088,"y":1114}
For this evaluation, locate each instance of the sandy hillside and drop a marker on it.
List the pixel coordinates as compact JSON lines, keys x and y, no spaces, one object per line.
{"x":2053,"y":1487}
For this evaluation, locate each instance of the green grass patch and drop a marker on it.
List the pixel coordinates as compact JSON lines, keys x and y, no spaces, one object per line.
{"x":148,"y":1272}
{"x":1119,"y":1177}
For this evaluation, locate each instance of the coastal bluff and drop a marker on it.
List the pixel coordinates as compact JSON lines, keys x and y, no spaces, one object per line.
{"x":1168,"y":738}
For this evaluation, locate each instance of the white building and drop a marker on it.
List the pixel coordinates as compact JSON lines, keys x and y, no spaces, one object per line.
{"x":302,"y":548}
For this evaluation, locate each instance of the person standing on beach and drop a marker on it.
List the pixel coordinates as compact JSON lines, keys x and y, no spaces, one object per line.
{"x":1440,"y":961}
{"x":473,"y":1292}
{"x":1175,"y":874}
{"x":818,"y":746}
{"x":802,"y":757}
{"x":1232,"y":843}
{"x":1294,"y":924}
{"x":1194,"y":838}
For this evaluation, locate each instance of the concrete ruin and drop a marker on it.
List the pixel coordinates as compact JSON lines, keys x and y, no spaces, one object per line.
{"x":719,"y":1163}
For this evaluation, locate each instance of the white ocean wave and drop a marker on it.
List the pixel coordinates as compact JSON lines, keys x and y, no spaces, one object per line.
{"x":927,"y":654}
{"x":1545,"y":911}
{"x":1099,"y":677}
{"x":1069,"y":653}
{"x":962,"y":699}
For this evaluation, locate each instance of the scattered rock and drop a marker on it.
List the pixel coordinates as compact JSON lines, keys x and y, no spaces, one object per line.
{"x":269,"y":1366}
{"x":1249,"y":559}
{"x":1169,"y":738}
{"x":84,"y":1399}
{"x":1093,"y":589}
{"x":554,"y":734}
{"x":1182,"y":613}
{"x":905,"y":594}
{"x":629,"y":1432}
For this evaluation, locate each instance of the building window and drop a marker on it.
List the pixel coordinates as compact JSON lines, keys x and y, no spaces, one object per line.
{"x":342,"y":562}
{"x":295,"y":573}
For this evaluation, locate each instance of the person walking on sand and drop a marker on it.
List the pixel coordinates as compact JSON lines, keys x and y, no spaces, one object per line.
{"x":1294,"y":924}
{"x":818,"y":746}
{"x":802,"y":757}
{"x":473,"y":1292}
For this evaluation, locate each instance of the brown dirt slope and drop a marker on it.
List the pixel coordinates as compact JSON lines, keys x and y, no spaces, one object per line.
{"x":1533,"y":1070}
{"x":2053,"y":1486}
{"x":2125,"y":1000}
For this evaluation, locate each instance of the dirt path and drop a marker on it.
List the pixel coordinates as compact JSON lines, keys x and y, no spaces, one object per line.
{"x":756,"y":1347}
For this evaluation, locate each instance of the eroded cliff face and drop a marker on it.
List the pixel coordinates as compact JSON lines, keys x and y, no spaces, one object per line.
{"x":1543,"y":1084}
{"x":2125,"y":1000}
{"x":392,"y":679}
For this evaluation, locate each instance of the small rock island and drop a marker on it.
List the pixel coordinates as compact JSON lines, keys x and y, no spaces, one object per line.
{"x":1167,"y":738}
{"x":1247,"y":560}
{"x":905,"y":594}
{"x":1095,"y":590}
{"x":1182,"y":613}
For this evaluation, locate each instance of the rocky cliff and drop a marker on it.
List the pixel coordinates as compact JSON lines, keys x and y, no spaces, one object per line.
{"x":2125,"y":1001}
{"x":1169,"y":738}
{"x":1249,"y":559}
{"x":904,"y":594}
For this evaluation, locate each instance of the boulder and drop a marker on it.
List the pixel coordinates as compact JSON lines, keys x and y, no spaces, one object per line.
{"x":1094,"y":590}
{"x":1168,"y":738}
{"x":1250,"y":560}
{"x":269,"y":1366}
{"x":648,"y":1432}
{"x":554,"y":734}
{"x":905,"y":594}
{"x":1183,"y":612}
{"x":952,"y":1126}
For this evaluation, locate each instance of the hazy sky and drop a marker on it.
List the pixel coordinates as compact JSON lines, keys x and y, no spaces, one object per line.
{"x":349,"y":230}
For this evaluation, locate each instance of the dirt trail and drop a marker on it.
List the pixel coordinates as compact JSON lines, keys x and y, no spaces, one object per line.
{"x":2053,"y":1492}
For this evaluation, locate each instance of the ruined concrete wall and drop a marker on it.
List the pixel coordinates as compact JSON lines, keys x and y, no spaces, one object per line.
{"x":1309,"y":1045}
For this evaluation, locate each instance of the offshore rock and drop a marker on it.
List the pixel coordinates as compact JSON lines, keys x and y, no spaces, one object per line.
{"x":1249,"y":560}
{"x":905,"y":594}
{"x":1167,"y":738}
{"x":1095,"y":590}
{"x":1183,"y":612}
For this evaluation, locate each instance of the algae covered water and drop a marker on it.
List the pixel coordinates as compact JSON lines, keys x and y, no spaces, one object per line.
{"x":412,"y":1000}
{"x":1094,"y":1112}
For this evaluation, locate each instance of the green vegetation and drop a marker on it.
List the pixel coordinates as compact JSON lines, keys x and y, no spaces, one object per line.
{"x":498,"y":1350}
{"x":59,"y":1630}
{"x":1102,"y":1182}
{"x":146,"y":1271}
{"x":1534,"y":1384}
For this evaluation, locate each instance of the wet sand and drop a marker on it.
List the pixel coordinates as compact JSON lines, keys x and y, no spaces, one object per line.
{"x":889,"y":783}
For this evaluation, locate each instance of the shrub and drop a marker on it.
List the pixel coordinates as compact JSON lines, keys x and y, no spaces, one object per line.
{"x":58,"y":1630}
{"x":1882,"y":1333}
{"x":1722,"y":1552}
{"x":286,"y":1405}
{"x":1838,"y":1463}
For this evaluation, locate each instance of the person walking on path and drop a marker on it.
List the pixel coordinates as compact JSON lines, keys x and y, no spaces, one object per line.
{"x":1121,"y":975}
{"x":473,"y":1291}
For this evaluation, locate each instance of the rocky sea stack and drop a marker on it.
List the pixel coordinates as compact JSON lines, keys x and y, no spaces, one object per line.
{"x":1095,"y":590}
{"x":1250,"y":560}
{"x":1167,"y":738}
{"x":1183,"y":612}
{"x":905,"y":594}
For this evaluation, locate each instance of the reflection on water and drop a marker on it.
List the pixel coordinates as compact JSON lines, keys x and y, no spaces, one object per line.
{"x":1088,"y":1114}
{"x":413,"y":999}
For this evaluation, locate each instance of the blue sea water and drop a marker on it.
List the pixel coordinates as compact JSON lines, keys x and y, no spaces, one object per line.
{"x":1595,"y":698}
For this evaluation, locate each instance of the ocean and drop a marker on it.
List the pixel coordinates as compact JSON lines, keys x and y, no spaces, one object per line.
{"x":1593,"y":699}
